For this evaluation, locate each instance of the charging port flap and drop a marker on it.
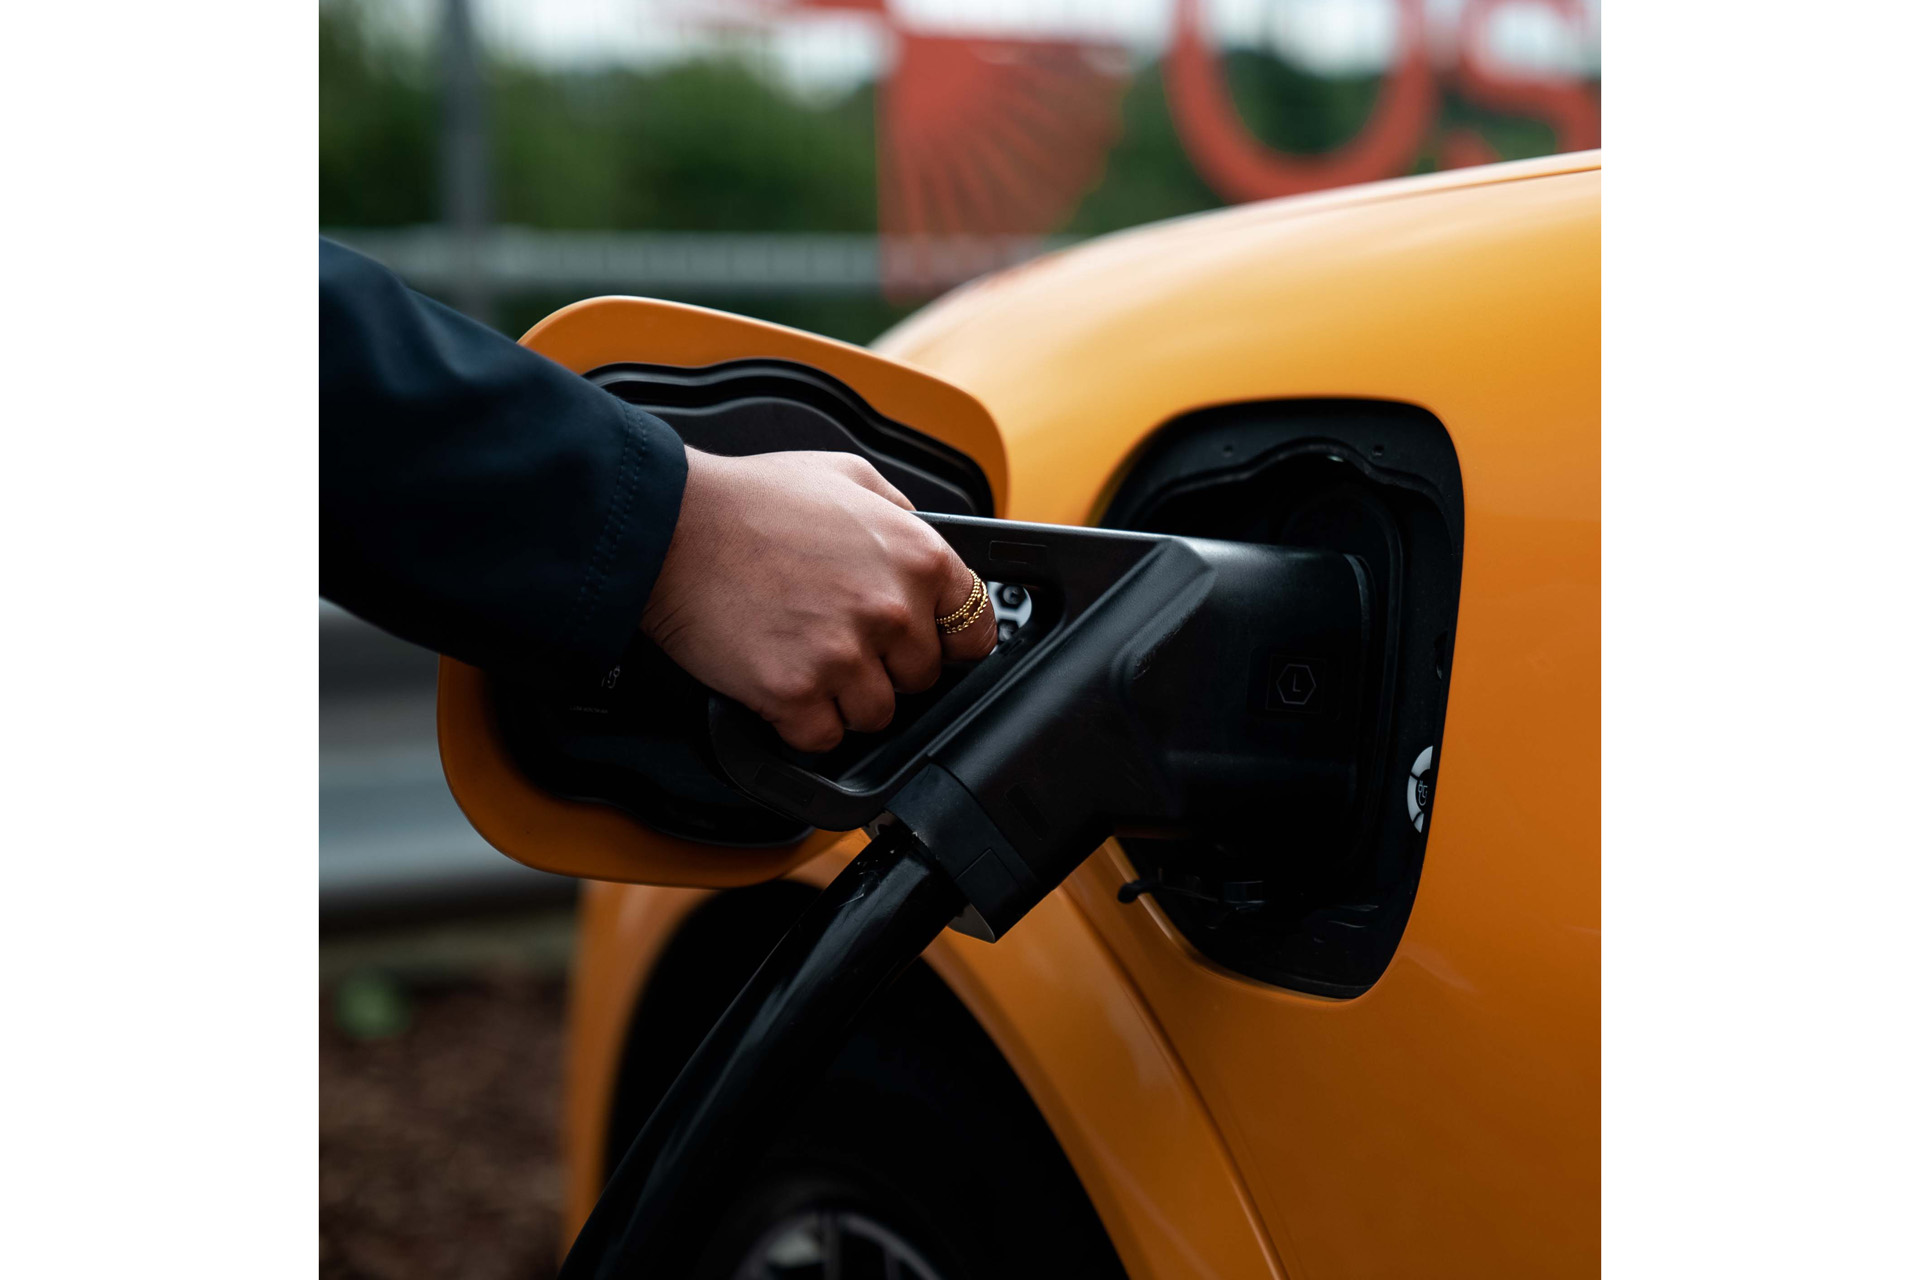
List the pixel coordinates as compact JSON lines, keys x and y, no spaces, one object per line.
{"x":614,"y":782}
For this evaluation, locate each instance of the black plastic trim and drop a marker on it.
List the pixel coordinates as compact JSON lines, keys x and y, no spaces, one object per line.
{"x":766,"y":406}
{"x":639,"y":744}
{"x":1378,"y":480}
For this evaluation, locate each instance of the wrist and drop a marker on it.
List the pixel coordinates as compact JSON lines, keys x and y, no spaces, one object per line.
{"x":696,"y":503}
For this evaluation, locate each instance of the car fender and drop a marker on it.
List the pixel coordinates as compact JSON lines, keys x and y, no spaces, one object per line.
{"x":1061,"y":1011}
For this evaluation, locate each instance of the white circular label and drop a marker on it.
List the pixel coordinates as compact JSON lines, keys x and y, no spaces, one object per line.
{"x":1420,"y":789}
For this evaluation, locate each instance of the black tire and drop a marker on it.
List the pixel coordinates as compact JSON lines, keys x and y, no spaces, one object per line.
{"x":920,"y":1138}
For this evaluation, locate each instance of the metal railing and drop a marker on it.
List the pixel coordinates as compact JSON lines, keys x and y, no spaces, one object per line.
{"x":524,"y":259}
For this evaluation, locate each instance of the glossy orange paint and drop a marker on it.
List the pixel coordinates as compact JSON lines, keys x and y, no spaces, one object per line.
{"x":1447,"y":1121}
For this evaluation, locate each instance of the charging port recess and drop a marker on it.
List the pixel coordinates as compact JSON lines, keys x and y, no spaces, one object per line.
{"x":636,"y":741}
{"x":1317,"y":911}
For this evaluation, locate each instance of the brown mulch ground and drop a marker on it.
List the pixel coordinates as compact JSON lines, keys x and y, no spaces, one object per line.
{"x":439,"y":1144}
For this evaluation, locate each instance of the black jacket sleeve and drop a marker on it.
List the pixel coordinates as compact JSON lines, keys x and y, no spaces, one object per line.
{"x":475,"y":497}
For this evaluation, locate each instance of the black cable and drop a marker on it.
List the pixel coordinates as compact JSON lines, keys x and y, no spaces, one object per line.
{"x":715,"y":1123}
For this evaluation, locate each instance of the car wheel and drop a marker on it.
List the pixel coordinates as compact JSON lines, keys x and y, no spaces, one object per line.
{"x":798,"y":1227}
{"x":918,"y":1157}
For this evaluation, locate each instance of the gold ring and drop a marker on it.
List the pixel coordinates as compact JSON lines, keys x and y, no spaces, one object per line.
{"x":967,"y":614}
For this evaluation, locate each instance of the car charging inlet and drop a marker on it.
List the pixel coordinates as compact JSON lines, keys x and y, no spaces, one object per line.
{"x":1162,"y":687}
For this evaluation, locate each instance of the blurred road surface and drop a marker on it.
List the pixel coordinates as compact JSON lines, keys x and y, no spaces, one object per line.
{"x":391,"y":837}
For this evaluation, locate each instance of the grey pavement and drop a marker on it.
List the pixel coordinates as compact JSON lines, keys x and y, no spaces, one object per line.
{"x":391,"y":836}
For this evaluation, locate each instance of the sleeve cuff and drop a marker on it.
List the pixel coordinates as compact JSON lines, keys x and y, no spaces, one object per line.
{"x":643,"y":506}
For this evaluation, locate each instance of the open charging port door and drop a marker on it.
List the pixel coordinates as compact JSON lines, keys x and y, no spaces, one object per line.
{"x":612,"y":783}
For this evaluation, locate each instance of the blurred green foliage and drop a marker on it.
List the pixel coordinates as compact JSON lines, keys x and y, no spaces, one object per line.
{"x":371,"y":1005}
{"x":702,"y":146}
{"x":1148,"y":176}
{"x":705,"y":145}
{"x":711,"y":146}
{"x":1291,"y":110}
{"x":378,"y":115}
{"x":1511,"y":137}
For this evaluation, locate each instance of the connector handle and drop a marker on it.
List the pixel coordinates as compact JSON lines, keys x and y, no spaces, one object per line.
{"x":1064,"y":568}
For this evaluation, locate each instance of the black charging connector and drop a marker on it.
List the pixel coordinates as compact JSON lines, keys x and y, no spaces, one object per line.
{"x":1164,"y":687}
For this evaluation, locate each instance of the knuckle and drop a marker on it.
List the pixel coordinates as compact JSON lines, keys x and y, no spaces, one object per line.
{"x":838,"y":658}
{"x":891,"y":614}
{"x":792,"y":687}
{"x":928,"y":556}
{"x":854,"y":467}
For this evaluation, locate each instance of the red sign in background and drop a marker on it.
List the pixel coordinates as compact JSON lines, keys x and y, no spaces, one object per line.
{"x":998,"y":137}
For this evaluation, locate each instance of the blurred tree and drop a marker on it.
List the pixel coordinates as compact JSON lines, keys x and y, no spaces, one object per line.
{"x":1294,"y":111}
{"x":1147,"y":176}
{"x":1509,"y":137}
{"x":710,"y":145}
{"x":378,"y":116}
{"x":704,"y":145}
{"x":1304,"y":114}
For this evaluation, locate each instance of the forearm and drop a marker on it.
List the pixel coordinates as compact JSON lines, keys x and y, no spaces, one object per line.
{"x":475,"y":497}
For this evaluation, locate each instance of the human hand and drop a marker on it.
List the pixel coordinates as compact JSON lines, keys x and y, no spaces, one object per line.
{"x":802,"y":585}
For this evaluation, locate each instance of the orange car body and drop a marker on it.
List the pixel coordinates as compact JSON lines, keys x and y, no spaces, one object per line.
{"x":1447,"y":1121}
